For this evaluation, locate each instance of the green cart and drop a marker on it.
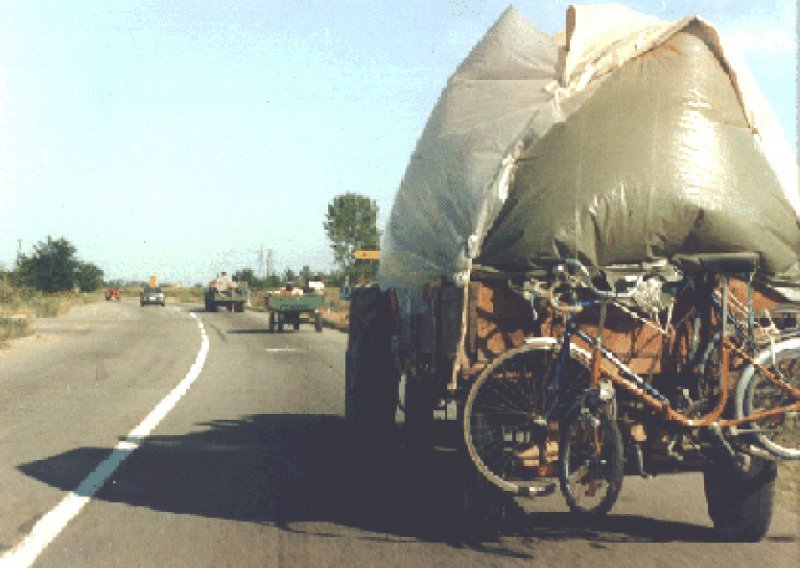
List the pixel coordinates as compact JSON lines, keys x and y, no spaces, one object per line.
{"x":294,"y":310}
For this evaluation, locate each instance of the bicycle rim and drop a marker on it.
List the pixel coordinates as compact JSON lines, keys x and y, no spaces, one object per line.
{"x":779,"y":435}
{"x":505,"y":428}
{"x":591,"y":462}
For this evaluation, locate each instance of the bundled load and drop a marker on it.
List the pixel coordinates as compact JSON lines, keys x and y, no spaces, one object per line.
{"x":623,"y":139}
{"x":223,"y":283}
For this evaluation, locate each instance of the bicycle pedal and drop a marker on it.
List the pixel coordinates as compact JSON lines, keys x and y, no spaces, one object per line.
{"x":540,"y":490}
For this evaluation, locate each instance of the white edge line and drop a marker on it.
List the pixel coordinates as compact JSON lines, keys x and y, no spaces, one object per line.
{"x":51,"y":524}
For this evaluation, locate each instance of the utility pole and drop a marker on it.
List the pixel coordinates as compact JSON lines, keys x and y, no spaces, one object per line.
{"x":270,"y":263}
{"x":19,"y":253}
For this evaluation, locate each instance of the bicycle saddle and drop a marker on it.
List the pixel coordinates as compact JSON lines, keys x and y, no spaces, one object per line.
{"x":725,"y":263}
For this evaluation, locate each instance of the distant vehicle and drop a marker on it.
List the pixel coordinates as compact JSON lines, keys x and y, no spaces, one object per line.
{"x":294,"y":306}
{"x":224,"y":292}
{"x":113,"y":294}
{"x":152,"y":295}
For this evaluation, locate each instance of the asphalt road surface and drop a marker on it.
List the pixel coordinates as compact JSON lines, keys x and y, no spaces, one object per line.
{"x":172,"y":437}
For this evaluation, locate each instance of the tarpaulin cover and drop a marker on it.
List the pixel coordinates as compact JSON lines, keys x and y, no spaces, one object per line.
{"x":622,"y":139}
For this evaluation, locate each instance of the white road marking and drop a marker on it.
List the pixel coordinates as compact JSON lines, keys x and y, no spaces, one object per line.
{"x":281,"y":349}
{"x":50,"y":525}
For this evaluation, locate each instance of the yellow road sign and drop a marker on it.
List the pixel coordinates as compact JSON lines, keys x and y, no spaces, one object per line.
{"x":367,"y":254}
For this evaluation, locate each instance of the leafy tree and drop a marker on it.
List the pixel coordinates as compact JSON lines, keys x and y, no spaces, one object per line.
{"x":88,"y":277}
{"x":351,"y":224}
{"x":247,"y":276}
{"x":289,"y":276}
{"x":272,"y":281}
{"x":51,"y":267}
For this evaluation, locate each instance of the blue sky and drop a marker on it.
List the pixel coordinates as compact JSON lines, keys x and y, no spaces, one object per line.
{"x":178,"y":138}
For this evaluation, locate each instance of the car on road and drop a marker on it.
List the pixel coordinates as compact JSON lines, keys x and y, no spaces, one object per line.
{"x":152,"y":295}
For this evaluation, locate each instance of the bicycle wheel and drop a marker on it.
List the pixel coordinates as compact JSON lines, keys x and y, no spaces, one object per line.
{"x":505,"y":424}
{"x":779,"y":435}
{"x":591,"y":462}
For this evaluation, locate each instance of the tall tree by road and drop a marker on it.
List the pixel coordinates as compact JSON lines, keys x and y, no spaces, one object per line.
{"x":88,"y":277}
{"x":53,"y":267}
{"x":352,"y":224}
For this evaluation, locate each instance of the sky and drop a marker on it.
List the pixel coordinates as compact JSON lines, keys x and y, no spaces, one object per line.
{"x":184,"y":138}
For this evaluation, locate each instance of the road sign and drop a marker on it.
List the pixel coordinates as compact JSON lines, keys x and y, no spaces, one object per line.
{"x":367,"y":254}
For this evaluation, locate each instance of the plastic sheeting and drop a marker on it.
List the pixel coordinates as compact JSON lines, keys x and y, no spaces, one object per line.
{"x":628,"y":140}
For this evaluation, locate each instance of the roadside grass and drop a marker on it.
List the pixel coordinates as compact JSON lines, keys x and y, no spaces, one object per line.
{"x":788,"y":487}
{"x":184,"y":295}
{"x":19,"y":306}
{"x":14,"y":326}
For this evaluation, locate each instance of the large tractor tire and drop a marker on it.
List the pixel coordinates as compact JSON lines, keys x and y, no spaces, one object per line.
{"x":740,"y":502}
{"x":371,"y":374}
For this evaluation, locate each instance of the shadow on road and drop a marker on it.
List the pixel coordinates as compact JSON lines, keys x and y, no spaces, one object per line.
{"x":293,"y":471}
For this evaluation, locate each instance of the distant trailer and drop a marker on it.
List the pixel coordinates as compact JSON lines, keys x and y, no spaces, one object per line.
{"x":284,"y":308}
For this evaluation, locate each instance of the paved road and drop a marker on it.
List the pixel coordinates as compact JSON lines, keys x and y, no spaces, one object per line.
{"x":248,"y":463}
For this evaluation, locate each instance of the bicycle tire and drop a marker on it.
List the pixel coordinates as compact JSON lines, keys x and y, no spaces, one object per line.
{"x":601,"y":475}
{"x":504,"y":416}
{"x":780,"y":437}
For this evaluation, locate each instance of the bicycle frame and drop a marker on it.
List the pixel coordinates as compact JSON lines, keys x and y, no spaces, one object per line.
{"x":629,"y":381}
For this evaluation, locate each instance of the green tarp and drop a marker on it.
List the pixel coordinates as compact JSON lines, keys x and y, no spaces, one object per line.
{"x":624,"y":139}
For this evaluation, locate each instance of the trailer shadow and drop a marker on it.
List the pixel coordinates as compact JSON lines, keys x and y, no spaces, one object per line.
{"x":301,"y":473}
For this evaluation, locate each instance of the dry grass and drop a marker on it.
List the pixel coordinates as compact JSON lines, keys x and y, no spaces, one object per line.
{"x":789,"y":485}
{"x":14,"y":326}
{"x":19,"y":306}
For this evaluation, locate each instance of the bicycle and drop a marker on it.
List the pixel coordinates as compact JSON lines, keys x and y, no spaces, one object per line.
{"x":549,"y":386}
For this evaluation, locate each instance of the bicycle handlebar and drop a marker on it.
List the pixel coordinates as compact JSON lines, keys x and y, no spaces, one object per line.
{"x":578,"y":266}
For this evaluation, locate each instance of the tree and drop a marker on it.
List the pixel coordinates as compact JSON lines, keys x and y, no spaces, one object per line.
{"x":351,"y":224}
{"x":88,"y":277}
{"x":51,"y":268}
{"x":247,"y":276}
{"x":272,"y":281}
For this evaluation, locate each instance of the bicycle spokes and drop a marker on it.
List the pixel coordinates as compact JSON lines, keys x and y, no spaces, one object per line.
{"x":591,"y":461}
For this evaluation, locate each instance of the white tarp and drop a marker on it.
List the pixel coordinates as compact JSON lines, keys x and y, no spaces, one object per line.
{"x":511,"y":92}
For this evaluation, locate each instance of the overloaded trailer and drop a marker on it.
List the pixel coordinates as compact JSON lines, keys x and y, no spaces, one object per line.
{"x":224,"y":292}
{"x":627,"y":169}
{"x":285,"y":308}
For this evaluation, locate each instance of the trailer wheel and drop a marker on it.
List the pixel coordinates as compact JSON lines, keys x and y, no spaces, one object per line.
{"x":318,"y":322}
{"x":297,"y":326}
{"x":740,"y":503}
{"x":418,"y":407}
{"x":238,"y":307}
{"x":371,"y":374}
{"x":272,"y":322}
